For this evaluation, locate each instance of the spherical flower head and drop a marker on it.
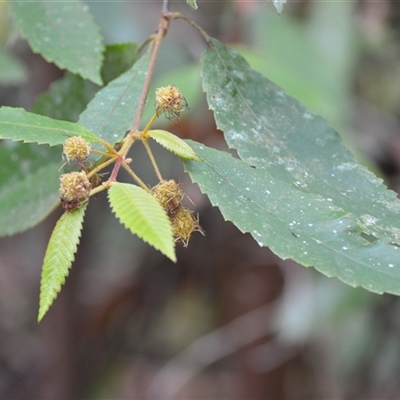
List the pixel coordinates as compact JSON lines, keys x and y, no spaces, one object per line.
{"x":183,"y":226}
{"x":76,"y":148}
{"x":74,"y":190}
{"x":169,"y":100}
{"x":169,"y":195}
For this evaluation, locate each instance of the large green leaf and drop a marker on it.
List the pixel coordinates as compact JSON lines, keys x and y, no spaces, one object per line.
{"x":29,"y":181}
{"x":112,"y":111}
{"x":18,"y":124}
{"x":143,"y":215}
{"x":62,"y":32}
{"x":59,"y":256}
{"x":306,"y":227}
{"x":69,"y":96}
{"x":277,"y":135}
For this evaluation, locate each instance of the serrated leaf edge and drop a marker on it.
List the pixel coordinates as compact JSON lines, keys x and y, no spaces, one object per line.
{"x":59,"y":254}
{"x":95,"y":79}
{"x":67,"y":132}
{"x":174,"y":144}
{"x":116,"y":211}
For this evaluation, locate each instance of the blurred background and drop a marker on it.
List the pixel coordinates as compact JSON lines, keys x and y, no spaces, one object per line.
{"x":229,"y":320}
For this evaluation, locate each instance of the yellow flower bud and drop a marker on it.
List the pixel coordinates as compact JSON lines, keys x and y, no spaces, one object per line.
{"x":169,"y":100}
{"x":169,"y":195}
{"x":183,"y":225}
{"x":76,"y":148}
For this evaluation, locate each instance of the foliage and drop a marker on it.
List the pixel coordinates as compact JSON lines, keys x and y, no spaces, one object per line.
{"x":143,"y":216}
{"x":294,"y":187}
{"x":64,"y":34}
{"x":59,"y":256}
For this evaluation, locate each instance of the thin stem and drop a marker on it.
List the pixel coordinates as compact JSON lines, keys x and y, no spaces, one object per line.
{"x":128,"y":141}
{"x":107,"y":146}
{"x":152,"y":159}
{"x":116,"y":168}
{"x":101,"y":166}
{"x":148,"y":40}
{"x":102,"y":153}
{"x":134,"y":176}
{"x":161,"y":31}
{"x":148,"y":126}
{"x":99,"y":189}
{"x":130,"y":138}
{"x":178,"y":15}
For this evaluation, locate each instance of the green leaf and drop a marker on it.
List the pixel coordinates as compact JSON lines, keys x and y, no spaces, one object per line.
{"x":63,"y":33}
{"x":18,"y":124}
{"x":68,"y":97}
{"x":118,"y":58}
{"x":28,"y":189}
{"x":26,"y":202}
{"x":173,"y":143}
{"x":143,"y":216}
{"x":277,"y":135}
{"x":306,"y":227}
{"x":278,"y":4}
{"x":59,"y":256}
{"x":112,"y":111}
{"x":192,"y":4}
{"x":12,"y":72}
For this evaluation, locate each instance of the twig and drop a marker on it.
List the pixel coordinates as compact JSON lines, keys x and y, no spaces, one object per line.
{"x":152,"y":159}
{"x":135,"y":177}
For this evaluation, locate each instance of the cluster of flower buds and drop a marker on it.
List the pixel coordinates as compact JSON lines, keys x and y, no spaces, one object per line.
{"x":76,"y":148}
{"x":75,"y":187}
{"x":170,"y":195}
{"x":74,"y":191}
{"x":170,"y":101}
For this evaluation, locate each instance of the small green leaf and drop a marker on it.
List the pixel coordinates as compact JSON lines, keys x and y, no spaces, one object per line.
{"x":112,"y":111}
{"x":64,"y":33}
{"x":68,"y":97}
{"x":12,"y":71}
{"x":18,"y":124}
{"x":143,"y":216}
{"x":278,"y":4}
{"x":59,"y":256}
{"x":309,"y":228}
{"x":192,"y":3}
{"x":173,"y":143}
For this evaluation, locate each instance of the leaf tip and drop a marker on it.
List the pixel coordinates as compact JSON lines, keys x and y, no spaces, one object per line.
{"x":278,"y":4}
{"x":192,"y":4}
{"x":42,"y":312}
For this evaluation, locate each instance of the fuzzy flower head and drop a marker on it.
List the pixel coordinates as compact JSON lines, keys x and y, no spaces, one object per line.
{"x":76,"y":148}
{"x":183,"y":226}
{"x":74,"y":190}
{"x":169,"y":100}
{"x":169,"y":194}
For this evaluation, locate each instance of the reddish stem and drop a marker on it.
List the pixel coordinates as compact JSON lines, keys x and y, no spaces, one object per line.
{"x":161,"y":31}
